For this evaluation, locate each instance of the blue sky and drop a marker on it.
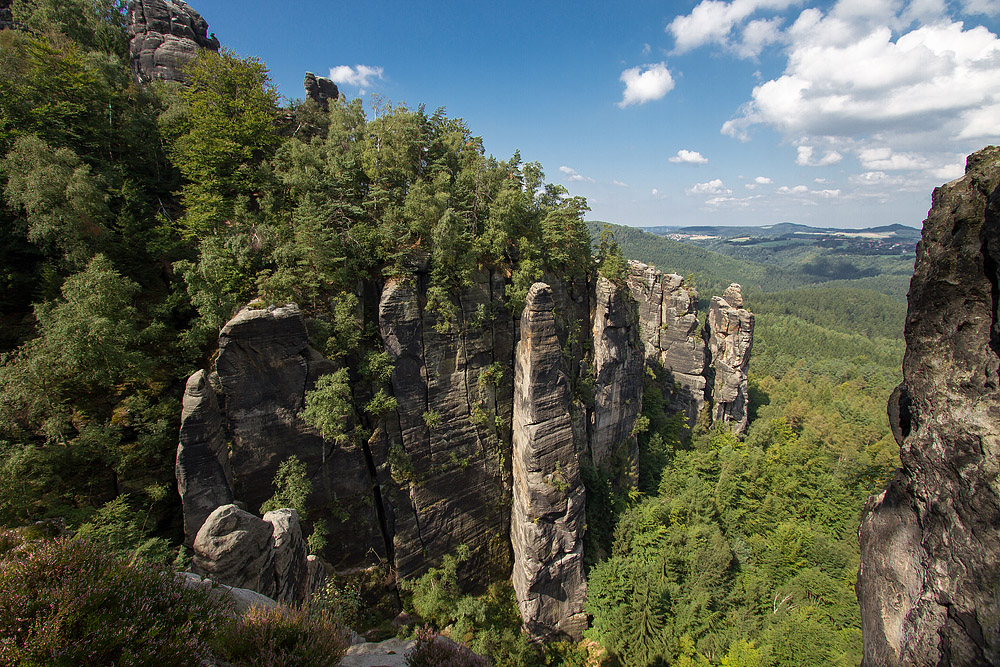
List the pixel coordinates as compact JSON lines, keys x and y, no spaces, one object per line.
{"x":842,"y":113}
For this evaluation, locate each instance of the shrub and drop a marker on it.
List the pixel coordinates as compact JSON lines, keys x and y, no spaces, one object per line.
{"x":430,"y":651}
{"x":277,"y":636}
{"x":69,"y":602}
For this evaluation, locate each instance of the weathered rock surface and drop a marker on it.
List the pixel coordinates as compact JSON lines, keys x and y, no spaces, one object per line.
{"x":165,"y":36}
{"x":204,"y":478}
{"x":321,"y":90}
{"x":929,"y":582}
{"x":618,"y":365}
{"x":265,"y":366}
{"x":241,"y":599}
{"x":445,"y":450}
{"x":668,"y":320}
{"x":730,"y":339}
{"x":548,"y":505}
{"x":266,"y":555}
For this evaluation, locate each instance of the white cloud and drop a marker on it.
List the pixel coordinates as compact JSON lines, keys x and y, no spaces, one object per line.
{"x":646,"y":83}
{"x":805,"y":158}
{"x":949,"y":172}
{"x":883,"y":158}
{"x":757,"y":35}
{"x":360,"y":76}
{"x":875,"y":179}
{"x":865,"y":79}
{"x":574,"y":176}
{"x":762,"y":180}
{"x":987,"y":7}
{"x":803,"y":190}
{"x":620,"y":184}
{"x":713,"y":187}
{"x":732,"y":202}
{"x":712,"y":22}
{"x":688,"y":157}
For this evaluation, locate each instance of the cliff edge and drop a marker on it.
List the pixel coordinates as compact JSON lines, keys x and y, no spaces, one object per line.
{"x":929,"y":582}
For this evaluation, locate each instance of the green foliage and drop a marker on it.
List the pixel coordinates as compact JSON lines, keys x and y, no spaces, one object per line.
{"x":227,"y":134}
{"x":329,"y":405}
{"x":381,"y":404}
{"x":291,"y":487}
{"x":611,"y":261}
{"x":436,"y":593}
{"x":123,"y":530}
{"x":70,"y":602}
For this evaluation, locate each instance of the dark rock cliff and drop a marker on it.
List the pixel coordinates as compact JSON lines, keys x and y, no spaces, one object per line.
{"x":463,"y":458}
{"x":929,"y":582}
{"x":165,"y":36}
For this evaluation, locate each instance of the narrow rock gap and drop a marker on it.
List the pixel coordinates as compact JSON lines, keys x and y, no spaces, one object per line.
{"x":991,"y":243}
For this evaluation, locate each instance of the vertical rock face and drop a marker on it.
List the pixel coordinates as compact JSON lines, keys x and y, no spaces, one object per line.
{"x":730,"y":338}
{"x":447,"y":447}
{"x":320,"y":89}
{"x":929,"y":582}
{"x":548,"y":504}
{"x":204,"y":478}
{"x":165,"y":36}
{"x":668,"y":319}
{"x":263,"y":370}
{"x":618,"y":366}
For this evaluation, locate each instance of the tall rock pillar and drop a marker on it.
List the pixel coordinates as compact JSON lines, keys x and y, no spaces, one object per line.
{"x":730,"y":338}
{"x":929,"y":582}
{"x":547,"y":517}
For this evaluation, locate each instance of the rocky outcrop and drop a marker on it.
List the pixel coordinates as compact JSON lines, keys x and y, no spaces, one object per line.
{"x":729,"y":329}
{"x":668,"y":320}
{"x":238,"y":600}
{"x":929,"y":582}
{"x":165,"y":36}
{"x":617,"y":366}
{"x":439,"y":469}
{"x":444,"y":453}
{"x":321,"y":90}
{"x":268,"y":555}
{"x":548,"y":504}
{"x":204,"y":477}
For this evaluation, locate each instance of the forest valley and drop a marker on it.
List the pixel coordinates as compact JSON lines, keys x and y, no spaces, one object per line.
{"x":137,"y":220}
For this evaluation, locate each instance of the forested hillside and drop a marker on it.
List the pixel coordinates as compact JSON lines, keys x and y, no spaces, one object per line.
{"x":745,"y":552}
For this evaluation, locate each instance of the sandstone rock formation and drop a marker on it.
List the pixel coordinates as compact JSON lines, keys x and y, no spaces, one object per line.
{"x":668,"y":318}
{"x":548,"y":505}
{"x":165,"y":36}
{"x":444,"y":453}
{"x":730,"y":337}
{"x":618,"y":364}
{"x":204,"y":477}
{"x":268,"y":555}
{"x":241,"y":599}
{"x":439,"y":470}
{"x":929,"y":582}
{"x":321,"y":89}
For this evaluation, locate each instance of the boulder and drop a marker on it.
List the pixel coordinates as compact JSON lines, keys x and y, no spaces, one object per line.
{"x":165,"y":35}
{"x":929,"y":581}
{"x":547,"y":514}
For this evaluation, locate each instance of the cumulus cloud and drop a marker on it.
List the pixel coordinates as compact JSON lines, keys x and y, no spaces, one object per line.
{"x":713,"y":187}
{"x":360,"y":76}
{"x":863,"y":78}
{"x":714,"y":22}
{"x":572,"y":175}
{"x":646,"y":83}
{"x":685,"y":156}
{"x":760,"y":180}
{"x":620,"y":184}
{"x":805,"y":158}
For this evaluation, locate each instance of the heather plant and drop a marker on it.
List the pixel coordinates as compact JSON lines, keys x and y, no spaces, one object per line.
{"x":279,"y":636}
{"x":70,"y":602}
{"x":430,"y":651}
